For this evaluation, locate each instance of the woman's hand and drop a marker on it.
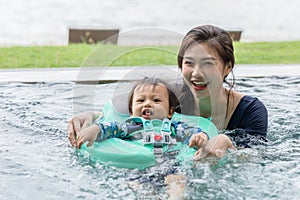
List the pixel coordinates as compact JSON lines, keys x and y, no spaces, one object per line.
{"x":77,"y":123}
{"x":198,"y":140}
{"x":216,"y":146}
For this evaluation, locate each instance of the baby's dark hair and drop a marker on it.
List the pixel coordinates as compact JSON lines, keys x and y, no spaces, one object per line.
{"x":146,"y":81}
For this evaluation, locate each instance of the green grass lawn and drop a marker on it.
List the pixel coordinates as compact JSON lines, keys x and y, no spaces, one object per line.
{"x":114,"y":55}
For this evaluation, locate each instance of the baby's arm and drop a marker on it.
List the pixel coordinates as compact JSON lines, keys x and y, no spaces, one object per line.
{"x":88,"y":134}
{"x":101,"y":131}
{"x":198,"y":140}
{"x":194,"y":136}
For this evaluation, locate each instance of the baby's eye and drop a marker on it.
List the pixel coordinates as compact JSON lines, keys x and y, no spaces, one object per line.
{"x":140,"y":100}
{"x":156,"y":100}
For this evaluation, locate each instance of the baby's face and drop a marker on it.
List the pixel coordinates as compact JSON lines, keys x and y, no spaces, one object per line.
{"x":151,"y":103}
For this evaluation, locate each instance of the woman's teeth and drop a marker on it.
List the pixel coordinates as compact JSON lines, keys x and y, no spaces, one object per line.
{"x":199,"y":83}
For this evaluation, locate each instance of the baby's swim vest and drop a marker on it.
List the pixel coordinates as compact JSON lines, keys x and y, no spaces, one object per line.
{"x":150,"y":143}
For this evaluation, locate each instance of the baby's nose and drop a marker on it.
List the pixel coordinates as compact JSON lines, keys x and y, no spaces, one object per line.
{"x":147,"y":103}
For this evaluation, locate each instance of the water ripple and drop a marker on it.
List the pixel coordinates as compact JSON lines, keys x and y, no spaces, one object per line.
{"x":35,"y":154}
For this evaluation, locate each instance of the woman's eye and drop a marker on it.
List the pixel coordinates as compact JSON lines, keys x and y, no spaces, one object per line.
{"x":188,"y":63}
{"x":206,"y":63}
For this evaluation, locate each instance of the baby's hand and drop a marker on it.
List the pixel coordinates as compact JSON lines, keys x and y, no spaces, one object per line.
{"x":198,"y":140}
{"x":216,"y":146}
{"x":88,"y":134}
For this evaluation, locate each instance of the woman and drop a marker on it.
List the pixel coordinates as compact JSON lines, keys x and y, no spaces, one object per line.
{"x":206,"y":57}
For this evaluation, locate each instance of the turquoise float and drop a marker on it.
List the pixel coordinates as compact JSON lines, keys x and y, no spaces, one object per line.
{"x":144,"y":151}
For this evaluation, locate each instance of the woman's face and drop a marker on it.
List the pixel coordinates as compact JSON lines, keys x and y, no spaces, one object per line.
{"x":203,"y":70}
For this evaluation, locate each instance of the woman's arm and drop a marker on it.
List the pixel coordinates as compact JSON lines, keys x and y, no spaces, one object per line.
{"x":248,"y":126}
{"x":249,"y":122}
{"x":216,"y":147}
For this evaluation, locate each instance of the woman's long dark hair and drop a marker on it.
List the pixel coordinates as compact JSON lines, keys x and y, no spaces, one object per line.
{"x":219,"y":40}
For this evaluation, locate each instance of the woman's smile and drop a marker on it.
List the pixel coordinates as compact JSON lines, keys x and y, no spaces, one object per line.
{"x":199,"y":85}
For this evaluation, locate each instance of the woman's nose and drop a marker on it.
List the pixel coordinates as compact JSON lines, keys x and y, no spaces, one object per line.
{"x":197,"y":72}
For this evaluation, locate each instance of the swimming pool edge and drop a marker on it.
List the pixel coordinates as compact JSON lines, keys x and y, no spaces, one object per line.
{"x":111,"y":74}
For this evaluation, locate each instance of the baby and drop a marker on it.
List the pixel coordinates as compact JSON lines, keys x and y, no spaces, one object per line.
{"x":150,"y":99}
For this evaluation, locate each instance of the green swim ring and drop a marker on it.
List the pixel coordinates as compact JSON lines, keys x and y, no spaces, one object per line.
{"x":139,"y":153}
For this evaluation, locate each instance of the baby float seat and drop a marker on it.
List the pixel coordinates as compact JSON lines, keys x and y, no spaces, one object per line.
{"x":144,"y":146}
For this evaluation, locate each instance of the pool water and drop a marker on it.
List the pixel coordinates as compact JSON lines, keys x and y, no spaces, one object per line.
{"x":37,"y":161}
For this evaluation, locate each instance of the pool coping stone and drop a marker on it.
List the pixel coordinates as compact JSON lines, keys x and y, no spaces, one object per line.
{"x":111,"y":74}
